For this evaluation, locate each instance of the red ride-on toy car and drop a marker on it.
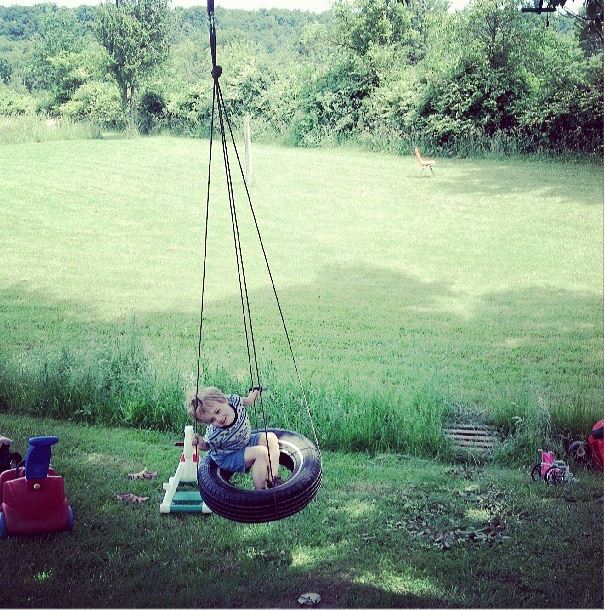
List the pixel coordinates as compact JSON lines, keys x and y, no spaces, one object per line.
{"x":32,"y":498}
{"x":590,"y":451}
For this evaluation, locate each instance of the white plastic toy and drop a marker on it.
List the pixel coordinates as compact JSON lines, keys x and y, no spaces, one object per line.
{"x":180,"y":496}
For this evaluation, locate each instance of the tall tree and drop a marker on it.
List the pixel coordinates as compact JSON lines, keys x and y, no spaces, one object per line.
{"x":57,"y":35}
{"x":135,"y":34}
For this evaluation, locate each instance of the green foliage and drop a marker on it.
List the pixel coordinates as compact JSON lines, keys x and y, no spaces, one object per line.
{"x":564,"y":109}
{"x":135,"y":36}
{"x":590,"y":26}
{"x":188,"y":111}
{"x":369,"y":23}
{"x":151,"y":110}
{"x":20,"y":22}
{"x":97,"y":102}
{"x":6,"y":71}
{"x":383,"y":73}
{"x":13,"y":103}
{"x":55,"y":42}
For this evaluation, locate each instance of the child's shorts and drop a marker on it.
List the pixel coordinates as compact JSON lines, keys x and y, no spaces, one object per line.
{"x":234,"y":460}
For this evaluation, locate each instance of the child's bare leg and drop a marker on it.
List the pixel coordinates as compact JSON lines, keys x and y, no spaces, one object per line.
{"x":271,"y":441}
{"x":256,"y":458}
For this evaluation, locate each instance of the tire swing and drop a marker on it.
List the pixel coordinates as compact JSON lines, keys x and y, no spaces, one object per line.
{"x":298,"y":454}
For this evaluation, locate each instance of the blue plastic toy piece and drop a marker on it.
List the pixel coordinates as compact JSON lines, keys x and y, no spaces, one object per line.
{"x":37,"y":458}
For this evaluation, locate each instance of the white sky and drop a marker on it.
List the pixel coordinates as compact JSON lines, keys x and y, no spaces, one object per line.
{"x":316,"y":6}
{"x":309,"y":5}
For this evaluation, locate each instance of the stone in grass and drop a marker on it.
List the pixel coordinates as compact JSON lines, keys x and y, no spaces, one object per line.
{"x":309,"y":599}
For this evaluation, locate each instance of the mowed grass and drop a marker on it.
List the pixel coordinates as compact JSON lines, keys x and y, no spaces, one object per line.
{"x":408,"y":299}
{"x":385,"y":531}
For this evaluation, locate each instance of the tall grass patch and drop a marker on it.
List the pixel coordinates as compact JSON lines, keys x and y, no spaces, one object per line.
{"x":111,"y":386}
{"x":117,"y":384}
{"x":21,"y":129}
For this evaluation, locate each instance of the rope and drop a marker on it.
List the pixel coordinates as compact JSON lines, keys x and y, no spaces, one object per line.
{"x":199,"y":342}
{"x":223,"y":117}
{"x":281,"y":314}
{"x":244,"y":298}
{"x":243,"y":289}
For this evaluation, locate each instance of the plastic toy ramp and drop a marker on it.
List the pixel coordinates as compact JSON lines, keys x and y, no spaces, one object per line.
{"x":181,"y":492}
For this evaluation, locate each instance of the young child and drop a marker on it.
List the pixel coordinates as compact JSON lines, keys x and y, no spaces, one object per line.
{"x":229,"y":438}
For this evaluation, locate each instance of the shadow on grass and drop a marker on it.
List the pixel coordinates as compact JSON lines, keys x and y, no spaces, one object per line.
{"x":489,"y":180}
{"x":357,"y":333}
{"x":369,"y":539}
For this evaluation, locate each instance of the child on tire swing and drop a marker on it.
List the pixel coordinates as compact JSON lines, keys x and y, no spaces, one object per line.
{"x":229,"y":438}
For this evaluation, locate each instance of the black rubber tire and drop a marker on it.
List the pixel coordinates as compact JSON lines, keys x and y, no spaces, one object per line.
{"x":297,"y":453}
{"x":536,"y":472}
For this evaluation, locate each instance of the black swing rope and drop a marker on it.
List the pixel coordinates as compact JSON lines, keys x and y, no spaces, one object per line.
{"x":218,"y":102}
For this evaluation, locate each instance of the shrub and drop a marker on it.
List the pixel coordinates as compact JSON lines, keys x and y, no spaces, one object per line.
{"x":151,"y":110}
{"x":188,"y":112}
{"x":13,"y":103}
{"x":97,"y":102}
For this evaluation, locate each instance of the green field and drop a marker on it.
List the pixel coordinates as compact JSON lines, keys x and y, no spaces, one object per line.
{"x":476,"y":293}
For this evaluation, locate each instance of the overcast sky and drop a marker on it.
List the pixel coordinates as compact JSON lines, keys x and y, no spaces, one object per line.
{"x":306,"y":5}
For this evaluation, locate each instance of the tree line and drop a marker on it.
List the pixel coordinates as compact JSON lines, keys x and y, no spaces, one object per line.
{"x":384,"y":73}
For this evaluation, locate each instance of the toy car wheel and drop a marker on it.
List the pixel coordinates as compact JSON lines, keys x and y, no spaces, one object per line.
{"x":3,"y":528}
{"x":536,"y":474}
{"x":554,"y":476}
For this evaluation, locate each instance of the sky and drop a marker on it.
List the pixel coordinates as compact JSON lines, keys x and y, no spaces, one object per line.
{"x":316,"y":6}
{"x":308,"y":5}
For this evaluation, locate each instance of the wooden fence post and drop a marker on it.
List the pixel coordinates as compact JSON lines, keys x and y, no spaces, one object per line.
{"x":247,"y":150}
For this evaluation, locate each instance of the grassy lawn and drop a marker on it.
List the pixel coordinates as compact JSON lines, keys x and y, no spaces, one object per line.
{"x":477,"y":290}
{"x":384,"y":531}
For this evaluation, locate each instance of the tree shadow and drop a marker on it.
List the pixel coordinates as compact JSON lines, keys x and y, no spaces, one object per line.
{"x":360,"y":330}
{"x":490,"y":180}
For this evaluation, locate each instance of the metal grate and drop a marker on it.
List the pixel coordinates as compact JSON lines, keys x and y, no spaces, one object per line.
{"x":471,"y":437}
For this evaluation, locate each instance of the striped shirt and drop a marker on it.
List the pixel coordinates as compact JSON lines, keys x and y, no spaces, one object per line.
{"x":235,"y":436}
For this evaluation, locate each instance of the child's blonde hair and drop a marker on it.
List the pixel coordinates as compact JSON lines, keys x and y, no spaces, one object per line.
{"x":204,"y":400}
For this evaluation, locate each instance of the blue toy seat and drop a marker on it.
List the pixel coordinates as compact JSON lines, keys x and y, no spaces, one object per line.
{"x":37,"y":458}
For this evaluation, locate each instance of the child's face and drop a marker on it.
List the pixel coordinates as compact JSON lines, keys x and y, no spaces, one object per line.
{"x":219,"y":414}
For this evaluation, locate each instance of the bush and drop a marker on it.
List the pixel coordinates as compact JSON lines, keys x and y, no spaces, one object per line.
{"x":188,"y":111}
{"x":13,"y":103}
{"x":566,"y":112}
{"x":97,"y":102}
{"x":151,"y":110}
